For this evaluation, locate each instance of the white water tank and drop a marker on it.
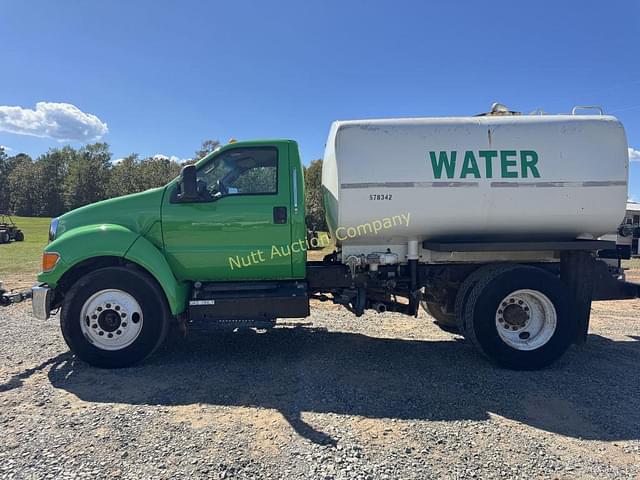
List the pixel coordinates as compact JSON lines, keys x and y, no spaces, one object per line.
{"x":522,"y":177}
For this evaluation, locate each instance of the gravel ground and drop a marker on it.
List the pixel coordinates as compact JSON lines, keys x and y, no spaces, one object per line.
{"x":383,"y":396}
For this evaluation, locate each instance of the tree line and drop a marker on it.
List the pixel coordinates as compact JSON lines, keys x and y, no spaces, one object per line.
{"x":66,"y":178}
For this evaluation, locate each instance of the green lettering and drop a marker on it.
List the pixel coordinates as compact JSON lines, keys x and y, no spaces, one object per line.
{"x":442,"y":160}
{"x":528,"y":161}
{"x":488,"y":156}
{"x":505,"y":163}
{"x":469,"y":165}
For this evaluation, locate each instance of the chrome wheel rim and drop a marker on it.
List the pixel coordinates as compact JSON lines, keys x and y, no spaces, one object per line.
{"x":111,"y":319}
{"x":526,"y":319}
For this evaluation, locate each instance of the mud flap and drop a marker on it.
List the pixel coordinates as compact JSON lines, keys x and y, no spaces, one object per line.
{"x":577,"y":270}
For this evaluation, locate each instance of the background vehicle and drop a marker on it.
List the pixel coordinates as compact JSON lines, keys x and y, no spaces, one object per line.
{"x":492,"y":221}
{"x":9,"y":230}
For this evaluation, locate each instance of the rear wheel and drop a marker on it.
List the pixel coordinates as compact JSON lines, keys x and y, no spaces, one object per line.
{"x":114,"y":317}
{"x":519,"y":317}
{"x":467,"y":285}
{"x":19,"y":236}
{"x":444,"y":320}
{"x":4,"y":237}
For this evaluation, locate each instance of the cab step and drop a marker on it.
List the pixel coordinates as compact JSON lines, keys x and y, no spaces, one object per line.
{"x":248,"y":301}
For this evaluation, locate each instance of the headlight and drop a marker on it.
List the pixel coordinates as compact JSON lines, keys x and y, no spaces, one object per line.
{"x":53,"y":229}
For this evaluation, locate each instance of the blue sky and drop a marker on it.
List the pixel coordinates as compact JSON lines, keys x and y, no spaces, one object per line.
{"x":161,"y":76}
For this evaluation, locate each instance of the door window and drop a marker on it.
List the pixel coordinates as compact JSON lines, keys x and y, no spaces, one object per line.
{"x":241,"y":171}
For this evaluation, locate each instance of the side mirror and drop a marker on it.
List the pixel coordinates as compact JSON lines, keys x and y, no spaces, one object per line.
{"x":188,"y":184}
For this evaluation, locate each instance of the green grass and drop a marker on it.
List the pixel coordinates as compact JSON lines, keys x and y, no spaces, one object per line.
{"x":24,"y":258}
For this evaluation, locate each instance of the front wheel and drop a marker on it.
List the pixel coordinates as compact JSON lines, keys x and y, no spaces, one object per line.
{"x":519,"y":317}
{"x":114,"y":317}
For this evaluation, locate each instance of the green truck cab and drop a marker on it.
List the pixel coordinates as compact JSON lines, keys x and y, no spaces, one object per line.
{"x":127,"y":265}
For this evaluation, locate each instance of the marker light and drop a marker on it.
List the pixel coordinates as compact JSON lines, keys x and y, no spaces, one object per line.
{"x":49,"y":260}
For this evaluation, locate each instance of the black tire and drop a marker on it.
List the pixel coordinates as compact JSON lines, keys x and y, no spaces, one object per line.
{"x":468,"y":284}
{"x":4,"y":237}
{"x":483,"y":303}
{"x":444,"y":321}
{"x":19,"y":237}
{"x":146,"y":292}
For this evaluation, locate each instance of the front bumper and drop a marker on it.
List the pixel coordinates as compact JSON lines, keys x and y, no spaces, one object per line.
{"x":41,"y":297}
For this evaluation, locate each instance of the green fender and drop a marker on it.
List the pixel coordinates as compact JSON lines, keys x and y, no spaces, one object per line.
{"x":145,"y":254}
{"x":109,"y":240}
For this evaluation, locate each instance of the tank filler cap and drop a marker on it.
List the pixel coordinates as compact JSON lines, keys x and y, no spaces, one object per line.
{"x":498,"y":109}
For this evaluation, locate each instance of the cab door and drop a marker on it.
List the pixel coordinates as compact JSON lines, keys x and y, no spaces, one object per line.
{"x":239,"y":228}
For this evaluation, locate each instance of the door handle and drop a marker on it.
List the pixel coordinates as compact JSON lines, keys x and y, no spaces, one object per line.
{"x":279,"y":215}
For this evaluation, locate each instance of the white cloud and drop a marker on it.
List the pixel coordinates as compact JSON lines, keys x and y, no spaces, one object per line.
{"x":173,"y":158}
{"x":634,"y":155}
{"x":60,"y":121}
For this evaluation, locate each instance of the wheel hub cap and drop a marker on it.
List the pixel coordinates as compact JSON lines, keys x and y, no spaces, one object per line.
{"x":111,"y":319}
{"x":515,"y":316}
{"x":526,"y":319}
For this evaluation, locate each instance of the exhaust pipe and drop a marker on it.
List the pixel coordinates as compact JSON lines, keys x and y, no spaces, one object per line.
{"x":379,"y":307}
